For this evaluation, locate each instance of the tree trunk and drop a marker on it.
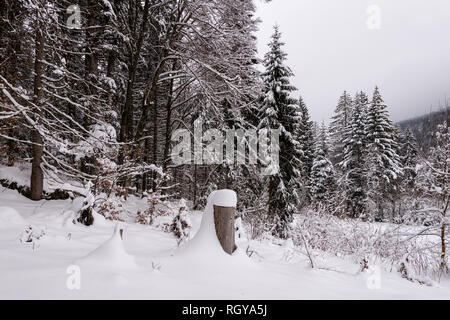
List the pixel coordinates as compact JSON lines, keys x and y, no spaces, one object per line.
{"x":145,"y":175}
{"x":271,"y":192}
{"x":91,"y":57}
{"x":37,"y":175}
{"x":168,"y":132}
{"x":155,"y":141}
{"x":195,"y":187}
{"x":126,"y":124}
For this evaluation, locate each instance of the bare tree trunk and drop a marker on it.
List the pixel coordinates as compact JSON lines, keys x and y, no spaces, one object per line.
{"x":155,"y":141}
{"x":37,"y":175}
{"x":145,"y":175}
{"x":126,"y":124}
{"x":195,"y":187}
{"x":13,"y":45}
{"x":146,"y":110}
{"x":271,"y":191}
{"x":168,"y":132}
{"x":91,"y":57}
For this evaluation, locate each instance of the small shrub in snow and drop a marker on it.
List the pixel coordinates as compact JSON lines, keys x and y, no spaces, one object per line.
{"x":181,"y":225}
{"x":364,"y":265}
{"x":157,"y":207}
{"x":32,"y":234}
{"x":112,"y":209}
{"x":85,"y":214}
{"x":166,"y":215}
{"x":143,"y":218}
{"x":86,"y":217}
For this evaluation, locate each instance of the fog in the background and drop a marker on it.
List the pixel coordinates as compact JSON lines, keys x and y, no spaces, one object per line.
{"x":331,"y":49}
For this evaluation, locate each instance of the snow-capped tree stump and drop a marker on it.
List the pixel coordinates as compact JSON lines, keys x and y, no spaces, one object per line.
{"x":224,"y":222}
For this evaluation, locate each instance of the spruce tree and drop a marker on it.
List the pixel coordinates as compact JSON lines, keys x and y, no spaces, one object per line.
{"x":339,"y":123}
{"x":280,"y":111}
{"x":322,"y":173}
{"x":353,"y":179}
{"x":305,"y":137}
{"x":383,"y":161}
{"x":408,"y":156}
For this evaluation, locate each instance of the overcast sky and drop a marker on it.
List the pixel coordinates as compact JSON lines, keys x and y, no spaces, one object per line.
{"x":330,"y":49}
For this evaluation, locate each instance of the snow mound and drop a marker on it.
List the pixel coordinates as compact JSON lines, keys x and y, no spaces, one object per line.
{"x":111,"y":254}
{"x":9,"y":217}
{"x":99,"y":220}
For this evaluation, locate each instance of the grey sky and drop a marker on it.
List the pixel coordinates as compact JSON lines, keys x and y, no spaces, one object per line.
{"x":331,"y":49}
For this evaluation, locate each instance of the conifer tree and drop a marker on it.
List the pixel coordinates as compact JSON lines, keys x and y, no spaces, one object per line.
{"x":280,"y":111}
{"x":322,"y":175}
{"x":305,"y":134}
{"x":408,"y":155}
{"x":339,"y":123}
{"x":353,"y":179}
{"x":383,"y":161}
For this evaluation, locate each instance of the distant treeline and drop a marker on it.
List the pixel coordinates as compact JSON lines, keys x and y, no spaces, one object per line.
{"x":424,"y":127}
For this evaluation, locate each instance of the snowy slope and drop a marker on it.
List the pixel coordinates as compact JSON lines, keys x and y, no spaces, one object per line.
{"x":153,"y":267}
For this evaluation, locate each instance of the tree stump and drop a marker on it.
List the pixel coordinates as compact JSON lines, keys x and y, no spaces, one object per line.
{"x":224,"y":222}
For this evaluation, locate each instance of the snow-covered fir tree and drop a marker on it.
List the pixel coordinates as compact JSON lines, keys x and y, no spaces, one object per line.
{"x":408,"y":156}
{"x":364,"y":101}
{"x":354,"y":175}
{"x":339,"y":123}
{"x":322,"y":173}
{"x":305,"y":137}
{"x":383,"y":162}
{"x":280,"y":111}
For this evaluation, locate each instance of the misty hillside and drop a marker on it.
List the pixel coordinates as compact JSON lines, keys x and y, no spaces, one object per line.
{"x":424,"y":126}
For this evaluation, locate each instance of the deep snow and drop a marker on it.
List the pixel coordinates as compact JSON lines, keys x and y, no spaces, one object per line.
{"x":147,"y":264}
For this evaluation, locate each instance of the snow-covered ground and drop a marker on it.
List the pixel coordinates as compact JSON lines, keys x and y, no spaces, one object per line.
{"x":147,"y":264}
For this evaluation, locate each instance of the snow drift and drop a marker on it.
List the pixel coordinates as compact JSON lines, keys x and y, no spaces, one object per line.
{"x":9,"y":217}
{"x":111,"y":254}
